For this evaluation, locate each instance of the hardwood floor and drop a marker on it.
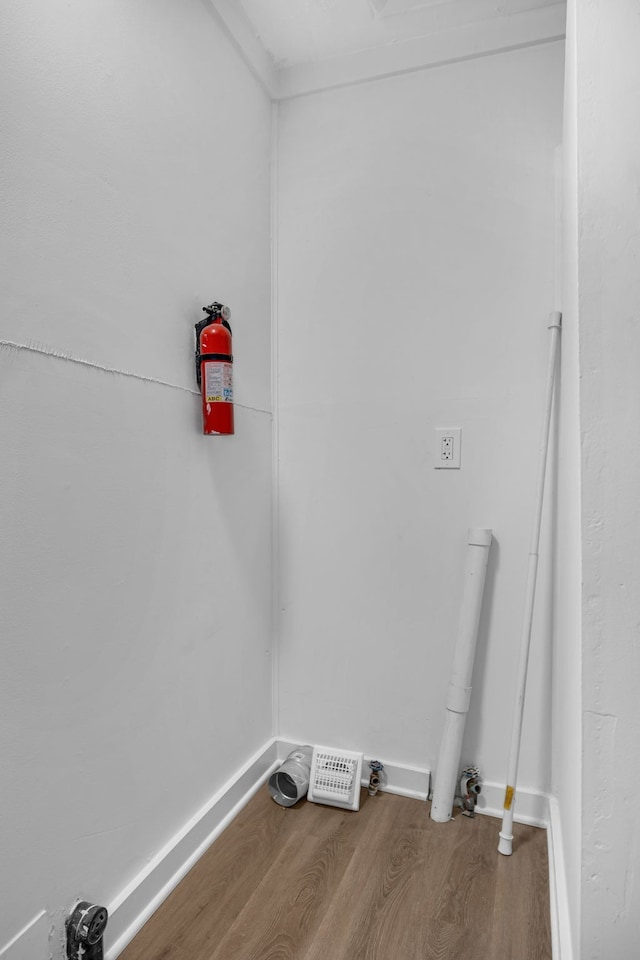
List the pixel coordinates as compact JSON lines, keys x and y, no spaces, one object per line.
{"x":386,"y":883}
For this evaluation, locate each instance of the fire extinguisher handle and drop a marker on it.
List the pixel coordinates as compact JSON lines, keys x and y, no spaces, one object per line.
{"x":216,"y":309}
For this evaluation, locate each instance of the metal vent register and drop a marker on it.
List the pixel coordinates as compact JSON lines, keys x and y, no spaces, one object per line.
{"x":335,"y":777}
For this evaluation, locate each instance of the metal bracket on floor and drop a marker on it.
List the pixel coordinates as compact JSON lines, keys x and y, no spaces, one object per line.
{"x":85,"y":927}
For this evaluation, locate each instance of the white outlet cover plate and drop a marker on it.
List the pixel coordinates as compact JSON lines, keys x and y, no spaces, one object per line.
{"x":442,"y":460}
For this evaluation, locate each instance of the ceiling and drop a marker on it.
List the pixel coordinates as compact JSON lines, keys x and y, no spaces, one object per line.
{"x":297,"y":32}
{"x":299,"y":47}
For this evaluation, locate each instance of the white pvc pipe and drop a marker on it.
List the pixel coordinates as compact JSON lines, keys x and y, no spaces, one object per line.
{"x":459,"y":693}
{"x":506,"y":834}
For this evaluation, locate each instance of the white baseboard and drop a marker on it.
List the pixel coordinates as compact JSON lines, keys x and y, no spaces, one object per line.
{"x":402,"y":779}
{"x":558,"y":894}
{"x":141,"y":898}
{"x":531,"y":806}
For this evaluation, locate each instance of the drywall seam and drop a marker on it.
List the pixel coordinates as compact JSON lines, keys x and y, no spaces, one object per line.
{"x":47,"y":351}
{"x":133,"y":906}
{"x":275,"y":473}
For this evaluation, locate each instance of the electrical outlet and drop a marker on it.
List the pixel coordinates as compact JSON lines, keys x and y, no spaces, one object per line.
{"x":447,"y":449}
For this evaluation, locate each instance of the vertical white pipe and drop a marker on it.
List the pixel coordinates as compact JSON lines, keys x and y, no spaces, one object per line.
{"x":459,"y":693}
{"x":506,"y":834}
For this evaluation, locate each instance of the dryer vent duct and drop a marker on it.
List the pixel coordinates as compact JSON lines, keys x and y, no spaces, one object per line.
{"x":290,"y":781}
{"x":335,"y":777}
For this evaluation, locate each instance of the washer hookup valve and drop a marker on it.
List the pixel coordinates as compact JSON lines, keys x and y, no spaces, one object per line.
{"x":374,"y":780}
{"x":470,"y":787}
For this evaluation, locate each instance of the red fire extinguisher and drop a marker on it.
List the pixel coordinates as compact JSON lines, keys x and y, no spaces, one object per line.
{"x":214,"y":370}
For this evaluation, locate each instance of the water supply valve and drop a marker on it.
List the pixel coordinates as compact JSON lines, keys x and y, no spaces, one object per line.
{"x":470,"y":787}
{"x":85,"y":927}
{"x":374,"y":780}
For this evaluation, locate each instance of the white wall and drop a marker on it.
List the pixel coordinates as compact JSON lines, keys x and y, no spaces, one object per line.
{"x":416,"y":258}
{"x":608,"y":106}
{"x":134,"y":574}
{"x":567,"y":661}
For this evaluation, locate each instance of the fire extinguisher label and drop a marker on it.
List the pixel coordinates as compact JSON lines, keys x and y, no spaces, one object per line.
{"x":218,"y":382}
